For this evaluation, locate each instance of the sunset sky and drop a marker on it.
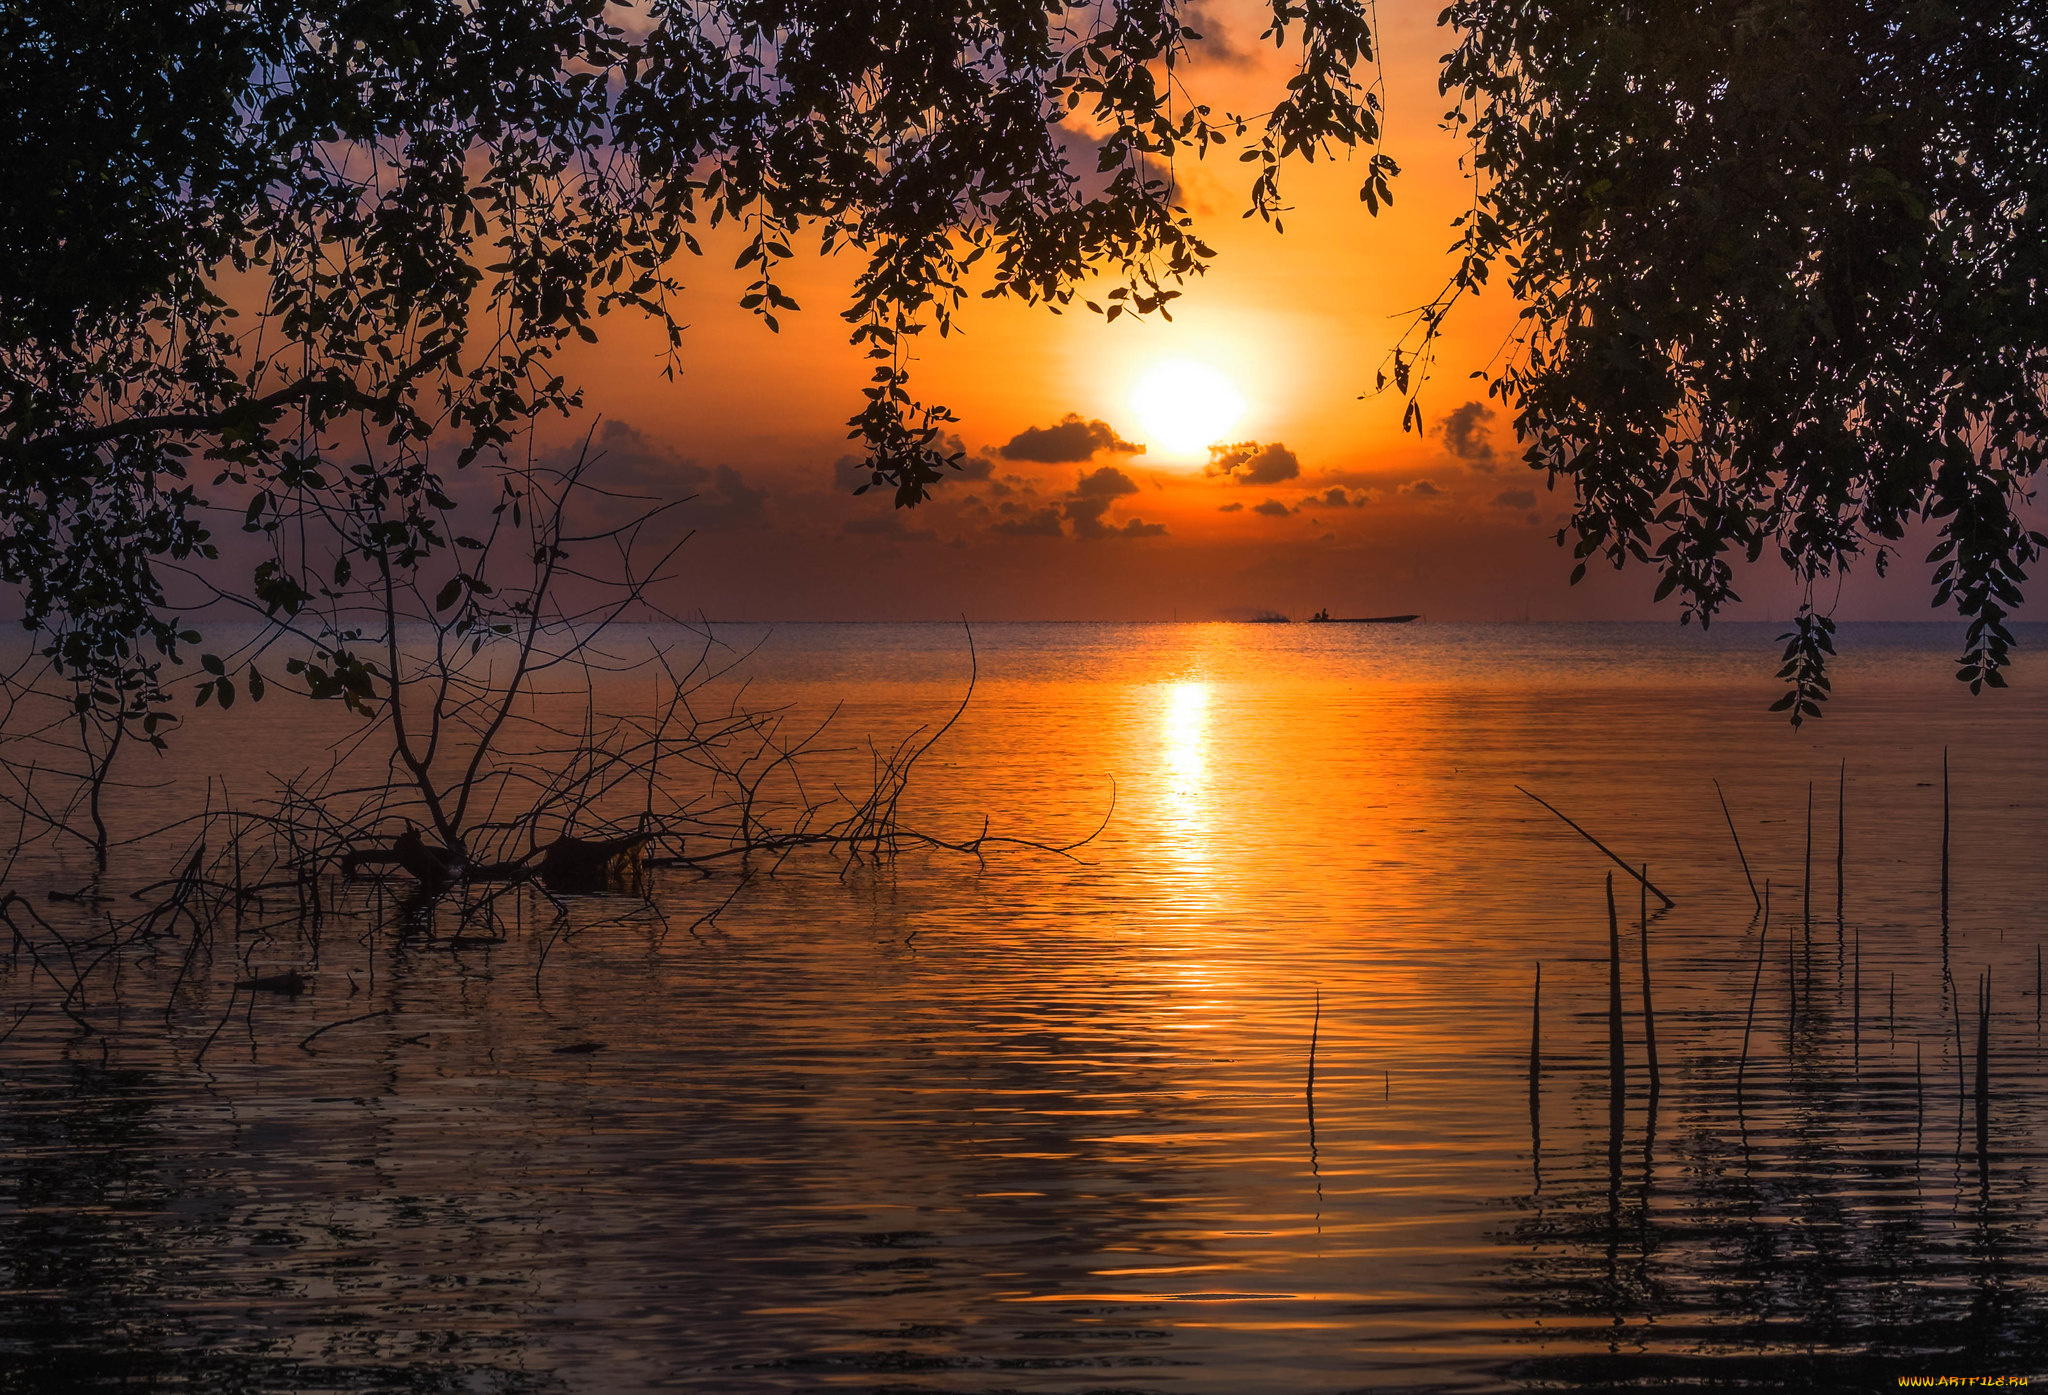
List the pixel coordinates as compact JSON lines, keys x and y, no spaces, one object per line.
{"x":1340,"y":510}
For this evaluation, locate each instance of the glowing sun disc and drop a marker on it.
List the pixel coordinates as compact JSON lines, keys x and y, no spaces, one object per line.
{"x":1185,"y":406}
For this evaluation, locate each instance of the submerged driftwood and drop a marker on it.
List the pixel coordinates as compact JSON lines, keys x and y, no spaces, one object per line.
{"x":569,"y":865}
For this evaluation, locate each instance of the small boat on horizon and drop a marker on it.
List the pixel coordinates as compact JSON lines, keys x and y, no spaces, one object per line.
{"x":1323,"y":617}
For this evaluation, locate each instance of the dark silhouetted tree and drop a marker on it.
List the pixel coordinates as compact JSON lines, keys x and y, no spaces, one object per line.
{"x":1783,"y":272}
{"x":283,"y":259}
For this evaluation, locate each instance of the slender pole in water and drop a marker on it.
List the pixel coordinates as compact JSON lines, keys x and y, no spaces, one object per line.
{"x":1309,"y":1094}
{"x":1841,"y":834}
{"x":1743,"y":1065}
{"x":1649,"y":1013}
{"x":1535,"y":1079}
{"x":1617,"y":1081}
{"x":1944,"y":838}
{"x":1983,"y":1058}
{"x":1806,"y":894}
{"x":1617,"y":1066}
{"x":1791,"y":974}
{"x":1983,"y":1035}
{"x":1955,"y":1002}
{"x":1738,"y":846}
{"x":1984,"y":1087}
{"x":1314,"y":1032}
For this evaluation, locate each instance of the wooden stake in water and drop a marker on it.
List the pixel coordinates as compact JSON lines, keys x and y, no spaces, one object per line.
{"x":1944,"y":837}
{"x":1806,"y":894}
{"x":1649,"y":1013}
{"x":1315,"y":1032}
{"x":1984,"y":1084}
{"x":1742,"y":1066}
{"x":1983,"y":1034}
{"x":1791,"y":975}
{"x":1738,"y":846}
{"x":1617,"y":1066}
{"x":1841,"y":833}
{"x":1535,"y":1081}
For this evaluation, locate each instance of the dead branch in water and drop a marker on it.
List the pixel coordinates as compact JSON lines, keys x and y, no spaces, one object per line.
{"x":611,"y":810}
{"x":1668,"y":902}
{"x":1749,"y":1019}
{"x":1738,"y":846}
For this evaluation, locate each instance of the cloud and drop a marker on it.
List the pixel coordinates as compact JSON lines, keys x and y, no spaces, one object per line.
{"x":1086,"y":506}
{"x":1272,"y":508}
{"x":729,"y":502}
{"x":850,"y":473}
{"x":1073,"y":440}
{"x":1216,"y":46}
{"x":1516,"y":498}
{"x":636,"y":470}
{"x":1232,"y":507}
{"x":1087,"y":511}
{"x":1424,"y":489}
{"x":628,"y":461}
{"x":1249,"y":462}
{"x":1338,"y":499}
{"x":1464,"y":432}
{"x":885,"y":525}
{"x":1044,"y":523}
{"x":1106,"y":483}
{"x":973,"y":464}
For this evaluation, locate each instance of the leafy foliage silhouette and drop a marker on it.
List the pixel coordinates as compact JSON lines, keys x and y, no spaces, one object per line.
{"x":294,"y":253}
{"x":1784,"y":278}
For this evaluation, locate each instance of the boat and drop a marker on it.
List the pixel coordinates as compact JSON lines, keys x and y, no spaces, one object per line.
{"x":1323,"y":617}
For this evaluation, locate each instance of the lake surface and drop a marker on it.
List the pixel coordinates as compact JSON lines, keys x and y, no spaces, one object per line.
{"x":1044,"y":1123}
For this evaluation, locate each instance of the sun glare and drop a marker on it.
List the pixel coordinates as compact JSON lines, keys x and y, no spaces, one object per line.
{"x":1185,"y":407}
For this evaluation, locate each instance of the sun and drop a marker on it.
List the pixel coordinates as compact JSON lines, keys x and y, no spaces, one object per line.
{"x":1185,"y":407}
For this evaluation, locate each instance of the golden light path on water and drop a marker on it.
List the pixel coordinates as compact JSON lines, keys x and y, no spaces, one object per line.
{"x":1190,"y":830}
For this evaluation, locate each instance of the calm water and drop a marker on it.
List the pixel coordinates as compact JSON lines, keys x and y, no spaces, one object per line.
{"x":1044,"y":1124}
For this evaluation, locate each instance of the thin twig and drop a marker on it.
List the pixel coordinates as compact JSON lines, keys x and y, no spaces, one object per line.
{"x":1668,"y":902}
{"x":1742,"y":1066}
{"x":1738,"y":846}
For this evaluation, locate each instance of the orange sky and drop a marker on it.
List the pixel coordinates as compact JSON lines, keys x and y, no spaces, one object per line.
{"x":1449,"y":523}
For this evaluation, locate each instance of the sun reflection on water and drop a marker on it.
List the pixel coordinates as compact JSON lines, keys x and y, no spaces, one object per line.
{"x":1189,"y":840}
